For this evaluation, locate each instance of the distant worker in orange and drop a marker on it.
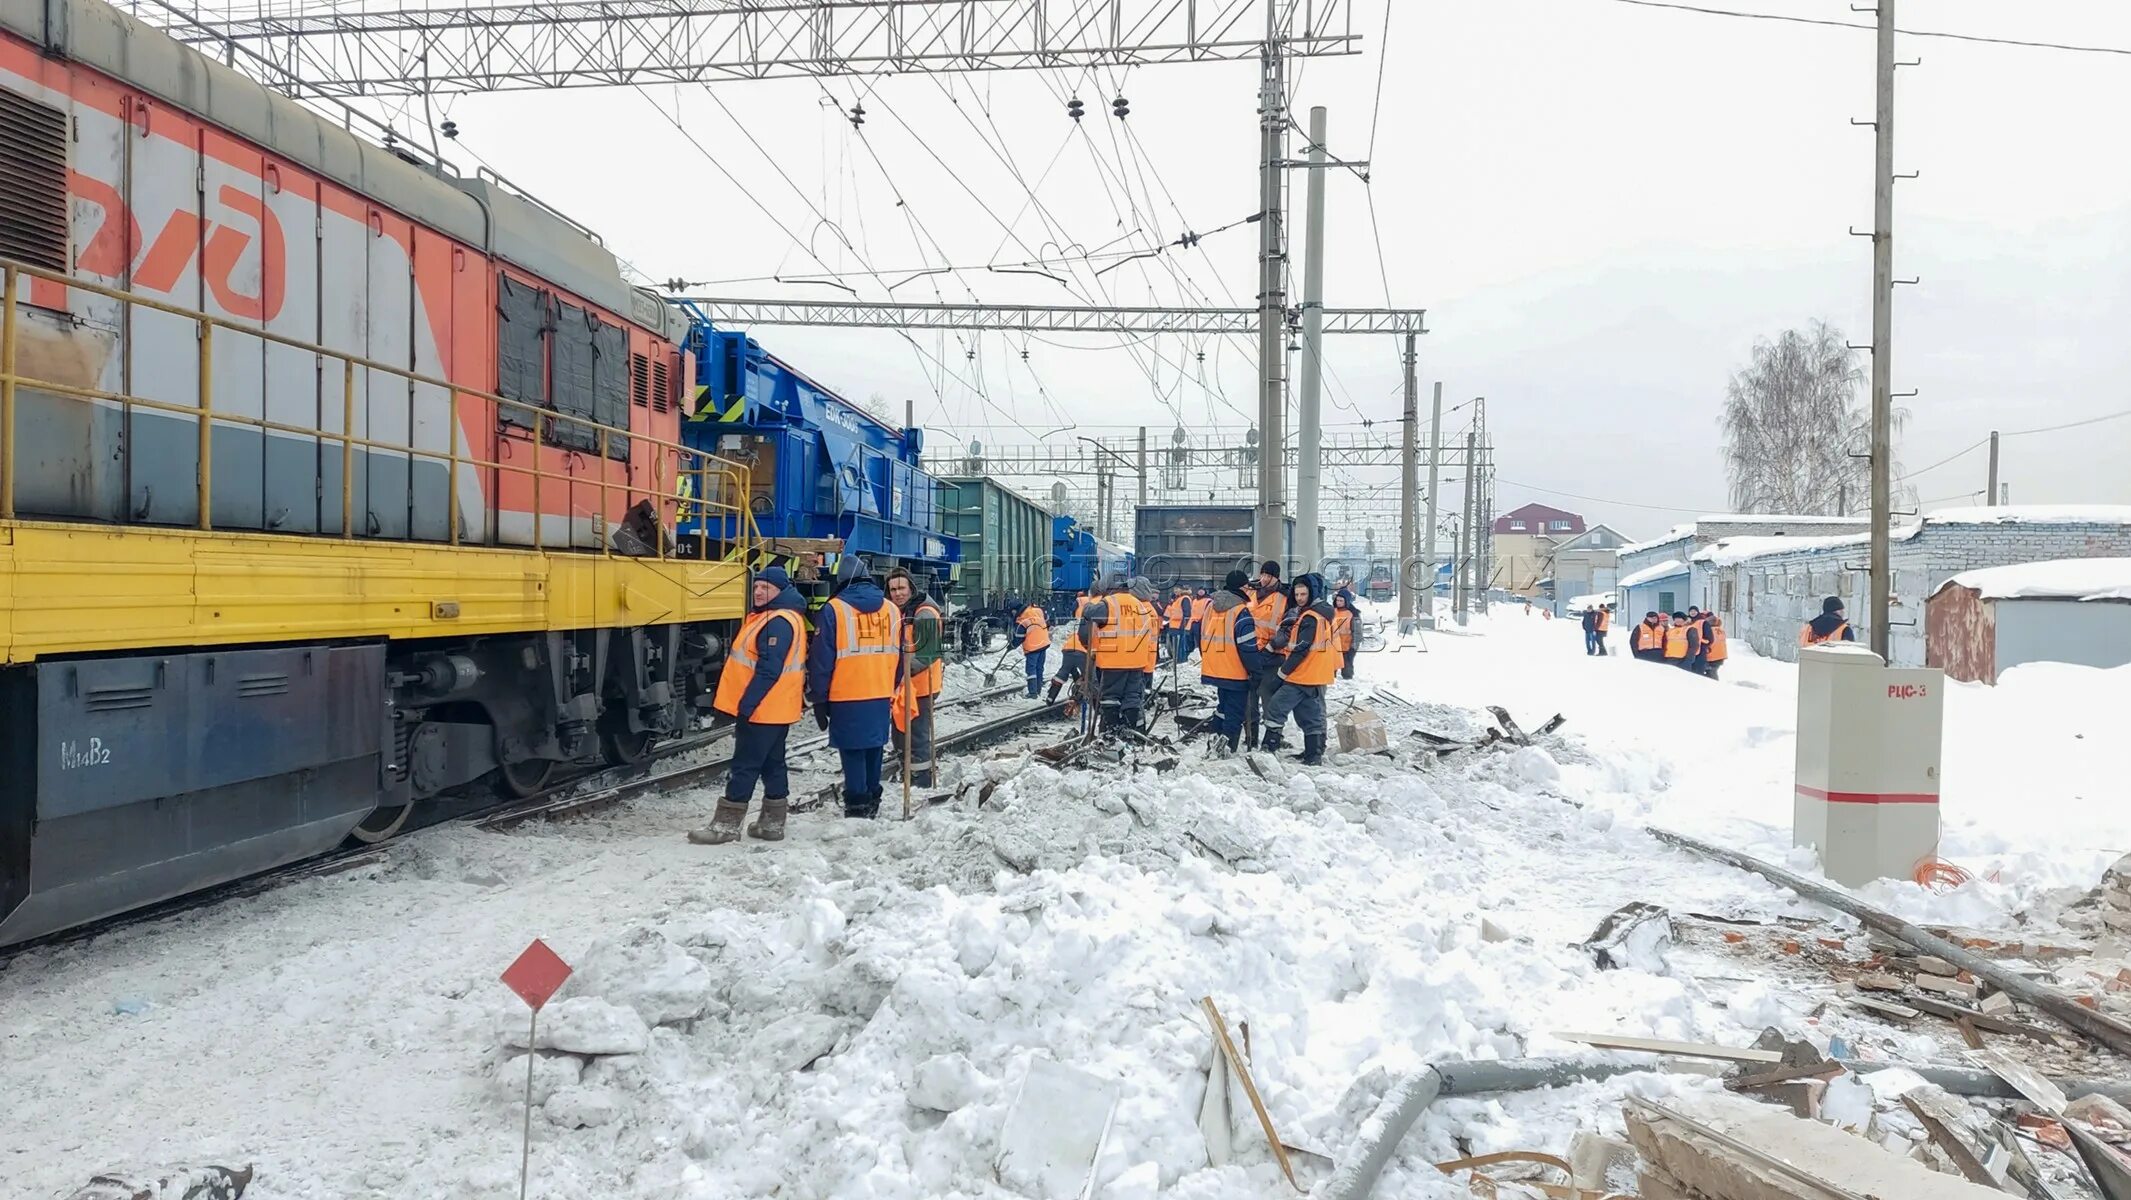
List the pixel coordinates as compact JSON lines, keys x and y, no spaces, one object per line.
{"x":1679,"y":642}
{"x":1829,"y":626}
{"x":1201,"y":604}
{"x":922,"y":628}
{"x":1602,"y":626}
{"x":1122,"y":632}
{"x":1715,"y":647}
{"x":1176,"y":620}
{"x":1072,"y":653}
{"x":1035,"y":643}
{"x":1312,"y":660}
{"x":762,"y":688}
{"x":1343,"y":631}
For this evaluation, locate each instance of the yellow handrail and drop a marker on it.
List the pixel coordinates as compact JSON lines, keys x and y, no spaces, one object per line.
{"x":689,"y":463}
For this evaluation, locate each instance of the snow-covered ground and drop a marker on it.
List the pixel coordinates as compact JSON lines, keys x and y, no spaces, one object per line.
{"x":850,"y":1013}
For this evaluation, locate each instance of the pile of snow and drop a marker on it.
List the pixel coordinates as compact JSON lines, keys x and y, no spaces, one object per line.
{"x":2056,"y":579}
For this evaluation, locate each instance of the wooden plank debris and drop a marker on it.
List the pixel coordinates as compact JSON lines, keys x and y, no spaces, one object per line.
{"x":2046,"y":1095}
{"x":1763,"y":1080}
{"x":1605,"y":1041}
{"x":1946,"y":1140}
{"x":1241,"y":1070}
{"x":1981,"y":1020}
{"x":1884,"y":1008}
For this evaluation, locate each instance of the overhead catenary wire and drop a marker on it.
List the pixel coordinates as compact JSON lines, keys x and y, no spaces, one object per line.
{"x":1948,"y":35}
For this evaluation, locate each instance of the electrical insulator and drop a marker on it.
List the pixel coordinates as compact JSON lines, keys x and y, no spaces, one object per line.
{"x":858,"y":115}
{"x":451,"y":128}
{"x":1118,"y":108}
{"x":1075,"y":109}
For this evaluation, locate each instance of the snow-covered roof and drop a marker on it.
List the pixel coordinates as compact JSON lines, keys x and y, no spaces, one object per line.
{"x":1666,"y":538}
{"x":1664,"y":570}
{"x":1726,"y":551}
{"x":1594,"y":600}
{"x":1777,"y":519}
{"x":2057,"y":579}
{"x":2034,"y":514}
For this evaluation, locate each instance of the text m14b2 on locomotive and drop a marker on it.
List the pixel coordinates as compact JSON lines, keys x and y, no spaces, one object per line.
{"x":74,"y":756}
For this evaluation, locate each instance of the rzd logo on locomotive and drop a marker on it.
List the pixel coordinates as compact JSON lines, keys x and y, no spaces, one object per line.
{"x":220,"y":246}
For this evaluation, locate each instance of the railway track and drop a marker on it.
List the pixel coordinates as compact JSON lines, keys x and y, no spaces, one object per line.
{"x":585,"y":793}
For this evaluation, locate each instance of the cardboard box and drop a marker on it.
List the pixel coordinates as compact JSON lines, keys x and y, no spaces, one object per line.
{"x":1361,"y":730}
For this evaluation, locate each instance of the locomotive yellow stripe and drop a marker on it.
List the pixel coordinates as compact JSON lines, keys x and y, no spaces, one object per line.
{"x":83,"y":588}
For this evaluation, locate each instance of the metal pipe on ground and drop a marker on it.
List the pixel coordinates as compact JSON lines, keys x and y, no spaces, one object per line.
{"x":2105,"y":1029}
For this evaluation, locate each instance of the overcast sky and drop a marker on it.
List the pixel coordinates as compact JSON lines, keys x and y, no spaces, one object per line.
{"x":1601,"y":205}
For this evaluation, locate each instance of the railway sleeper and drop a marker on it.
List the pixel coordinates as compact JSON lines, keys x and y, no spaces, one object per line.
{"x":137,"y":778}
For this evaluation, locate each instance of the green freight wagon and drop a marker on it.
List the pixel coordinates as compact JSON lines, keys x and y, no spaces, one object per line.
{"x":1006,"y":544}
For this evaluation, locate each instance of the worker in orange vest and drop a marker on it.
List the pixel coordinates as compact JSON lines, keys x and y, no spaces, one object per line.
{"x":1035,"y":641}
{"x":1228,"y":658}
{"x":1829,"y":626}
{"x":1648,"y":640}
{"x":852,"y":670}
{"x":1201,"y":604}
{"x":1715,"y":647}
{"x":1122,"y":633}
{"x":1679,"y":641}
{"x":1072,"y":654}
{"x":1602,"y":626}
{"x":761,"y":687}
{"x":1312,"y":660}
{"x":1269,"y":613}
{"x":1343,"y":631}
{"x":1176,"y":619}
{"x":927,"y":666}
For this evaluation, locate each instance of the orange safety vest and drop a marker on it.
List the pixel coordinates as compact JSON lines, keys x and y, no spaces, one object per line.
{"x":1267,"y":611}
{"x":1343,"y":629}
{"x":868,"y":646}
{"x":1200,"y":606}
{"x":782,"y":705}
{"x":1127,"y":639}
{"x":928,"y":681}
{"x":1036,"y":629}
{"x":1218,"y":656}
{"x":1072,"y":645}
{"x":1714,"y":648}
{"x":1648,"y":636}
{"x":1175,"y":613}
{"x":1675,"y":641}
{"x":1605,"y":620}
{"x":1806,"y":636}
{"x":1322,"y":662}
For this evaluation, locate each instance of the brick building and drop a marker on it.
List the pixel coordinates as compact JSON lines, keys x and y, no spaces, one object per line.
{"x":1661,"y":575}
{"x":1523,"y":541}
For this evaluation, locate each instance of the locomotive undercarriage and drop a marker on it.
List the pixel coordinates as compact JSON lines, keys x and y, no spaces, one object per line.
{"x":145,"y":776}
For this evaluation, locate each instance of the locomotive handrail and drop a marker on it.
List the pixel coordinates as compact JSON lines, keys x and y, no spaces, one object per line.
{"x":699,"y":479}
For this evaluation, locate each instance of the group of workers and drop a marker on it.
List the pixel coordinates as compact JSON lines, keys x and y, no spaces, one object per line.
{"x":1693,"y":641}
{"x":872,"y":668}
{"x":874,"y":664}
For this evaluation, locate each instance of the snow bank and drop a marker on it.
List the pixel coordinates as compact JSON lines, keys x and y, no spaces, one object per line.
{"x":2057,"y":579}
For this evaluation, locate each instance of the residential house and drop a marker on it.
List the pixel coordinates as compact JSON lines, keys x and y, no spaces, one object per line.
{"x":1523,"y":542}
{"x":1586,"y":565}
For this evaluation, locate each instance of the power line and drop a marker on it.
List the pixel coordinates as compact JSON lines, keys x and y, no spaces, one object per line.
{"x":2115,"y":416}
{"x":1977,"y":445}
{"x":1927,"y":33}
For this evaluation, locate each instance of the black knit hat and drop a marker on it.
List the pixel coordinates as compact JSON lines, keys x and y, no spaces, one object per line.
{"x":1269,"y":567}
{"x":1832,"y":604}
{"x":1235,"y":582}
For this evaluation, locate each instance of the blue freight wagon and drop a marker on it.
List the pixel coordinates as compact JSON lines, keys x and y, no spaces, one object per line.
{"x":1082,"y":560}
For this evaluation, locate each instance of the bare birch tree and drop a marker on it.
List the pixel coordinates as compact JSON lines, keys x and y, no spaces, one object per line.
{"x":1795,"y":433}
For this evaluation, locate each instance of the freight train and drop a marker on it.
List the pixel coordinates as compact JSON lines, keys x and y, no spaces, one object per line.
{"x":335,"y":482}
{"x":820,"y":468}
{"x":1082,"y":561}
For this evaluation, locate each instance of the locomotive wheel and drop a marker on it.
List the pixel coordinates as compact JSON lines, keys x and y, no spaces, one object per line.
{"x":621,"y":747}
{"x":524,"y":779}
{"x":382,"y":824}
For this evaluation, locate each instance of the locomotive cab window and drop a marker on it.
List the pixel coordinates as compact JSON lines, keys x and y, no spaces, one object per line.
{"x":33,"y":182}
{"x":521,"y":365}
{"x":571,"y":393}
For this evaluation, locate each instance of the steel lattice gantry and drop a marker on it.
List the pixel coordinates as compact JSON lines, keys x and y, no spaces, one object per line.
{"x":1036,"y":318}
{"x":367,"y":49}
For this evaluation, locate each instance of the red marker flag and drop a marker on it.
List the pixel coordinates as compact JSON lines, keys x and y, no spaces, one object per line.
{"x":536,"y":974}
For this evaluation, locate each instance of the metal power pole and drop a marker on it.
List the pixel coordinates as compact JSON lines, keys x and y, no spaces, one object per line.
{"x":1465,"y":531}
{"x":1143,"y":466}
{"x":1483,"y":524}
{"x":1435,"y":456}
{"x":1882,"y":326}
{"x":1991,"y":497}
{"x":1408,"y":501}
{"x":1308,"y":431}
{"x":1271,"y":520}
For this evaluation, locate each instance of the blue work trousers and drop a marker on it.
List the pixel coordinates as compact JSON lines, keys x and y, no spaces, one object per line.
{"x":862,"y":773}
{"x":758,"y":753}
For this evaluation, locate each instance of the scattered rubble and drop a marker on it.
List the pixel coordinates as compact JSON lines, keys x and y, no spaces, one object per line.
{"x":168,"y":1183}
